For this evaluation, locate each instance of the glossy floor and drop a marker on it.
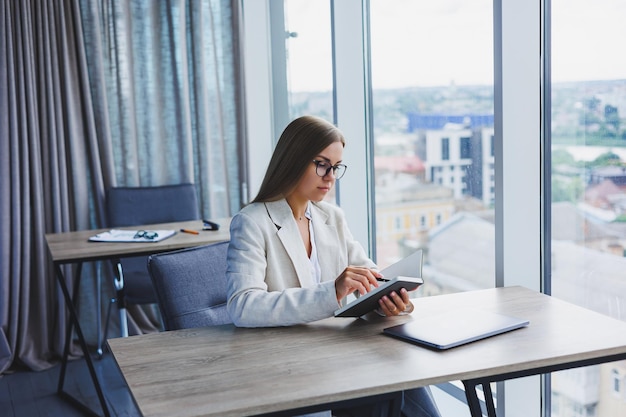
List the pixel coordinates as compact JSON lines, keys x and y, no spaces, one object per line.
{"x":33,"y":394}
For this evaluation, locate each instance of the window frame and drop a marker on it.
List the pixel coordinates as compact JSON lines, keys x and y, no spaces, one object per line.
{"x":445,"y":149}
{"x":616,"y":380}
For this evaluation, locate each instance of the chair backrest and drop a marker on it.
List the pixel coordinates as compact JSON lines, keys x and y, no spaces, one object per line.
{"x":191,"y":286}
{"x":131,"y":206}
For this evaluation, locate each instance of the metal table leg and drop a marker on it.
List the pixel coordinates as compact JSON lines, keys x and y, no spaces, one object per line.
{"x":83,"y":344}
{"x":472,"y":398}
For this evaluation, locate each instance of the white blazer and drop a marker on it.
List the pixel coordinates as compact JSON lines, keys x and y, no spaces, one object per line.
{"x":270,"y":280}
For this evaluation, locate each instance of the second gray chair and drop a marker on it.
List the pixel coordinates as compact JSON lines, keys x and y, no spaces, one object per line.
{"x":190,"y":285}
{"x":135,"y":206}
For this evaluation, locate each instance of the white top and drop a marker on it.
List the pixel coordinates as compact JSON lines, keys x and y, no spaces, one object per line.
{"x":316,"y":270}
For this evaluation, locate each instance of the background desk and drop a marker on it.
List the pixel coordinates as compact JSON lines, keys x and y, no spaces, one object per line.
{"x":75,"y":247}
{"x":229,"y":371}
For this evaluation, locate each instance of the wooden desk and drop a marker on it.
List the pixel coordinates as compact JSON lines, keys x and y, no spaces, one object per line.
{"x":75,"y":247}
{"x":229,"y":371}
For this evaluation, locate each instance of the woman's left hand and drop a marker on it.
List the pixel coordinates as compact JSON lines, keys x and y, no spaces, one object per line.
{"x":395,"y":303}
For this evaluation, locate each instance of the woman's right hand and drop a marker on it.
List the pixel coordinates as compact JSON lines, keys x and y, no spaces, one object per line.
{"x":355,"y":278}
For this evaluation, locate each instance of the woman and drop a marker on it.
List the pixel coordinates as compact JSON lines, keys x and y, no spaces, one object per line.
{"x":291,"y":257}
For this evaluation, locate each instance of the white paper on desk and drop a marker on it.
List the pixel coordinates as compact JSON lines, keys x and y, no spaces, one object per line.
{"x":118,"y":235}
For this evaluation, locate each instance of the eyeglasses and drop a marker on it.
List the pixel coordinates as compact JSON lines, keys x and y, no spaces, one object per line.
{"x":322,"y":168}
{"x":145,"y":234}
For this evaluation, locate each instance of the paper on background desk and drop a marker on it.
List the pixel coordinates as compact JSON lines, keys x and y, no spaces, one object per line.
{"x":118,"y":235}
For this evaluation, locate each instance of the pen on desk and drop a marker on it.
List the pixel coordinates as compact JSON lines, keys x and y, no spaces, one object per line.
{"x":193,"y":232}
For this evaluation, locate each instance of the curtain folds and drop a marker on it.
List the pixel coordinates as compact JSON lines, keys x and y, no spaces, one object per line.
{"x":46,"y":151}
{"x":172,"y":93}
{"x":96,"y":94}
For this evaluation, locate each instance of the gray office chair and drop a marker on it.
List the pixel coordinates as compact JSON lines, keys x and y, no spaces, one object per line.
{"x":134,"y":206}
{"x":190,"y":285}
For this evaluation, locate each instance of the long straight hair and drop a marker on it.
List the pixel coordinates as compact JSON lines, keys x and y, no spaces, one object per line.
{"x":301,"y":141}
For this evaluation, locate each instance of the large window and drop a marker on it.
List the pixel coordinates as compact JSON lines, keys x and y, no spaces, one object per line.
{"x":588,"y":180}
{"x":477,"y":204}
{"x":309,"y":61}
{"x":432,"y":80}
{"x":433,"y":106}
{"x":309,"y":58}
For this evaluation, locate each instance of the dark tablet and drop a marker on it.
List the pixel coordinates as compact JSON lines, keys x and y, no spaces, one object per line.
{"x":368,"y":302}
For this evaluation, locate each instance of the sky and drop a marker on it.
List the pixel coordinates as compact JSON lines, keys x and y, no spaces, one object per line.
{"x":434,"y":43}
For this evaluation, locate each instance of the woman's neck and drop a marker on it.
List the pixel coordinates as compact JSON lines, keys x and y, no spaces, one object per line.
{"x":298,"y":208}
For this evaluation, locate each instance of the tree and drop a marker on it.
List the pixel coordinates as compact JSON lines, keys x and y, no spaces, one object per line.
{"x":606,"y":159}
{"x":562,"y":157}
{"x":567,"y":190}
{"x":611,"y":118}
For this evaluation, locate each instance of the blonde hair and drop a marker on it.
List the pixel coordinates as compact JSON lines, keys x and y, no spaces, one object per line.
{"x":301,"y":141}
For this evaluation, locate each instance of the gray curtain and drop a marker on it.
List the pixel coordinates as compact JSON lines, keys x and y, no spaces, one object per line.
{"x":164,"y":77}
{"x":95,"y":94}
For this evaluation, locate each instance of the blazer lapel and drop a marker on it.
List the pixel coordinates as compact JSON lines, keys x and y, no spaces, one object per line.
{"x":287,"y":232}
